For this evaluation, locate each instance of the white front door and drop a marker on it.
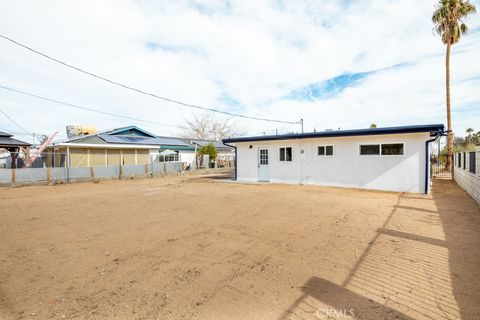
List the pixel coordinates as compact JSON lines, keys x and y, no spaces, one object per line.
{"x":263,"y":165}
{"x":305,"y":177}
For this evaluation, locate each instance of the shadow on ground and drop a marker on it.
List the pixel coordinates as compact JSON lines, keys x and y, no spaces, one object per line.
{"x":213,"y":177}
{"x":432,"y":276}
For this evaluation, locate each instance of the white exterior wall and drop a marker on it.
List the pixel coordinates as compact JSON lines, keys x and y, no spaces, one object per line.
{"x":346,"y":168}
{"x":188,"y":157}
{"x":470,"y":182}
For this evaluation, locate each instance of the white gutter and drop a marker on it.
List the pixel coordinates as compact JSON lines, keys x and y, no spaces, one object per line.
{"x":104,"y":146}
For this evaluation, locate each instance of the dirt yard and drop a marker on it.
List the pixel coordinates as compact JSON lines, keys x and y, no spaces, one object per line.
{"x":198,"y":248}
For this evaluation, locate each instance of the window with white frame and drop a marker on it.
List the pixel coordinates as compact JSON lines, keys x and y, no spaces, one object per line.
{"x":392,"y":149}
{"x":168,"y":158}
{"x":325,"y":150}
{"x":286,"y":154}
{"x":384,"y":149}
{"x":369,"y":149}
{"x":264,"y":157}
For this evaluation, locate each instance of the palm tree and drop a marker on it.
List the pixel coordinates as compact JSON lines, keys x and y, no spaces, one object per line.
{"x":449,"y":25}
{"x":469,"y":137}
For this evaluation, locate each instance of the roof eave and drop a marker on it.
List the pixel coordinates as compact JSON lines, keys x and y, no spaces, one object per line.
{"x":435,"y":128}
{"x":104,"y":146}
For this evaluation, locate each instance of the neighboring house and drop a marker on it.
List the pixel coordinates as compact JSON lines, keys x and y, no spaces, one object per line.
{"x":224,"y":153}
{"x":126,"y":145}
{"x":12,"y":150}
{"x":394,"y":158}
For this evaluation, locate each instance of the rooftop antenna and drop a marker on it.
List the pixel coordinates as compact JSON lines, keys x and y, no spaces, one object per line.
{"x":301,"y":123}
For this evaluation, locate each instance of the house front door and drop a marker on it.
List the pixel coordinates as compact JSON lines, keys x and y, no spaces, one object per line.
{"x":263,"y":174}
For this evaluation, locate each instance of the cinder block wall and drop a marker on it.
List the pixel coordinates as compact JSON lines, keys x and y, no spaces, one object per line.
{"x":468,"y":181}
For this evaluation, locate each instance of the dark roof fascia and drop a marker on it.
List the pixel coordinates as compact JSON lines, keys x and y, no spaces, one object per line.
{"x":434,"y":129}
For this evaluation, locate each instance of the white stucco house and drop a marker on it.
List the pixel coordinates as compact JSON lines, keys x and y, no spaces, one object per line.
{"x":391,"y":158}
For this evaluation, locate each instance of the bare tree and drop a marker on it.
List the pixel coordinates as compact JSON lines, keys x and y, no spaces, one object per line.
{"x":208,"y":127}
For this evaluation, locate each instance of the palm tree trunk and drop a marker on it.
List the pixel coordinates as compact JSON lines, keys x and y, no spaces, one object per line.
{"x":449,"y":117}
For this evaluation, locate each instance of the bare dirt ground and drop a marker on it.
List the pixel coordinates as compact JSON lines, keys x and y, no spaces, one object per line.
{"x":197,"y":248}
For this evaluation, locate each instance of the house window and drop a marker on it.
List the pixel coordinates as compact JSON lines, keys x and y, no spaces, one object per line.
{"x":459,"y":160}
{"x":168,"y":158}
{"x":390,"y":149}
{"x":472,"y":165}
{"x":325,"y":150}
{"x":464,"y":161}
{"x":369,"y":149}
{"x":286,"y":154}
{"x":385,"y":149}
{"x":264,"y":157}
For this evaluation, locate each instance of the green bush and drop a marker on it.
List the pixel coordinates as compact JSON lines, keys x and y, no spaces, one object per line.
{"x":208,"y":149}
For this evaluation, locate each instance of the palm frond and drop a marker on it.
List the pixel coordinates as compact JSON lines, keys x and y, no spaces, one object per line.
{"x":447,"y":18}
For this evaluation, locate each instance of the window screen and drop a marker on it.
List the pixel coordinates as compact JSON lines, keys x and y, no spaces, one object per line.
{"x":329,"y":150}
{"x":369,"y":149}
{"x":325,"y":150}
{"x":286,"y":154}
{"x":392,"y":149}
{"x":472,"y":165}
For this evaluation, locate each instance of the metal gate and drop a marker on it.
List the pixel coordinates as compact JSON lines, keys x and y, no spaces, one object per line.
{"x":438,"y":160}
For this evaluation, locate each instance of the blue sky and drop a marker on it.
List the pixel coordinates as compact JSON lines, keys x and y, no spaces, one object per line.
{"x":336,"y":64}
{"x":329,"y":88}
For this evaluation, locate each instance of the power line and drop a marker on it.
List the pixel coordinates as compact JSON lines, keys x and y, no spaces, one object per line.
{"x":87,"y":108}
{"x":15,"y":123}
{"x":17,"y":133}
{"x":142,"y":91}
{"x":27,"y":133}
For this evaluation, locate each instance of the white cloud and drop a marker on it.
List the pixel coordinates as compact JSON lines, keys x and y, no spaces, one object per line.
{"x":253,"y":52}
